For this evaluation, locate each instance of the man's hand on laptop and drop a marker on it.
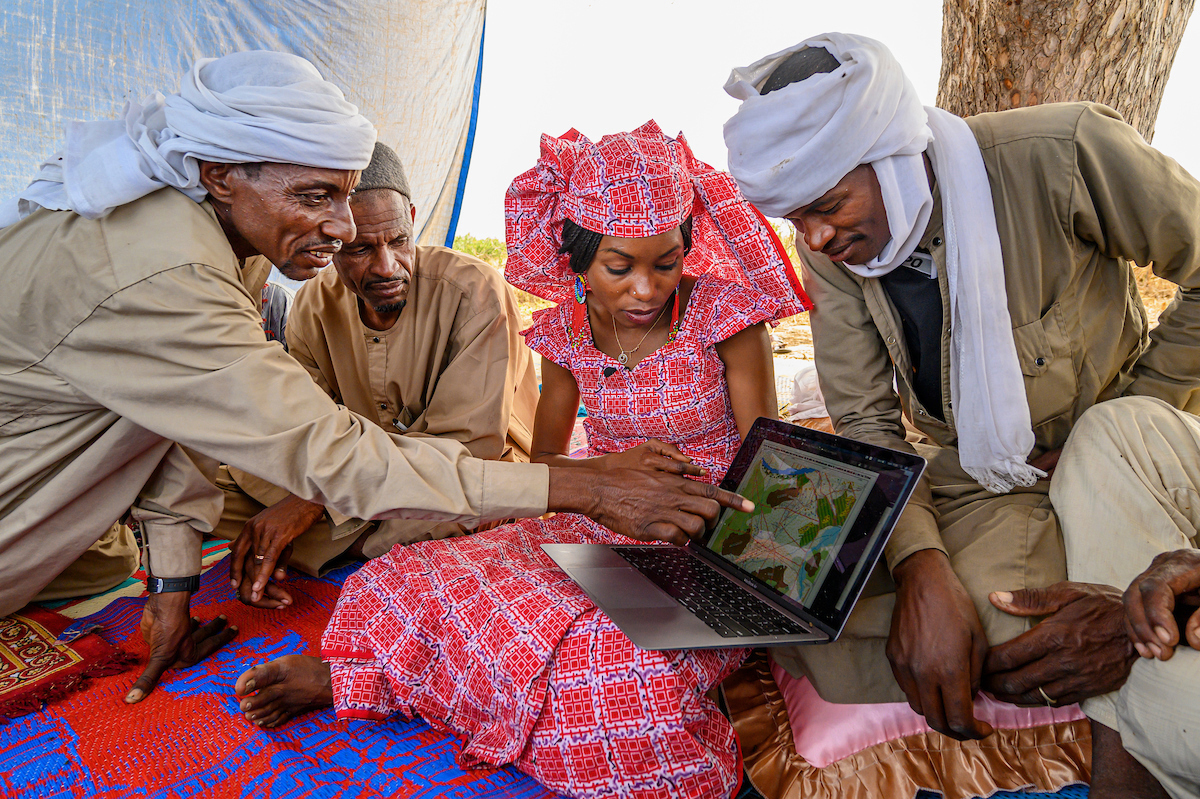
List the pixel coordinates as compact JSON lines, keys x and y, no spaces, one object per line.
{"x":937,"y":645}
{"x":645,"y":505}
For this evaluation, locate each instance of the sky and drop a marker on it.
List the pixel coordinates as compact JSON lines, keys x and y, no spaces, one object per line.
{"x":608,"y":66}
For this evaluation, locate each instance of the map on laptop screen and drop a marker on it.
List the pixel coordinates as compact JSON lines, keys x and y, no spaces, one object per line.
{"x":805,"y":506}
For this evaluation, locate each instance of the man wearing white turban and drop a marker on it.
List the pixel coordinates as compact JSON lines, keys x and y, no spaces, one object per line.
{"x":973,"y":276}
{"x":128,"y":332}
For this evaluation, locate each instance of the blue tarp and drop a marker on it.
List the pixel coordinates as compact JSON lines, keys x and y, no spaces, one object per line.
{"x":412,"y":67}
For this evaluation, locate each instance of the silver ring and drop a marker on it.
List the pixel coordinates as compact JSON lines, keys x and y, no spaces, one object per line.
{"x":260,"y":558}
{"x":1049,"y":702}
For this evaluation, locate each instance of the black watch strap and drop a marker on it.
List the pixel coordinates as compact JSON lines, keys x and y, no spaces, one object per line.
{"x":167,"y":585}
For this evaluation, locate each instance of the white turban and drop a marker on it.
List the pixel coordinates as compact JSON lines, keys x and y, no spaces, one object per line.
{"x":864,"y":112}
{"x":243,"y":108}
{"x":790,"y":146}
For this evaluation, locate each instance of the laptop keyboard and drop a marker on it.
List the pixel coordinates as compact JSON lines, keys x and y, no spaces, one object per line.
{"x":728,"y":609}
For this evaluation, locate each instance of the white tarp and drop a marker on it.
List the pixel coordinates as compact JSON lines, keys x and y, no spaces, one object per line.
{"x":411,"y":66}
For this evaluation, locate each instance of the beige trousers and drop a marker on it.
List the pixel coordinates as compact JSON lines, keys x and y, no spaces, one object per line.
{"x":995,"y":543}
{"x":106,"y":564}
{"x":126,"y":468}
{"x":316,"y":551}
{"x":313,"y":553}
{"x":1128,"y":488}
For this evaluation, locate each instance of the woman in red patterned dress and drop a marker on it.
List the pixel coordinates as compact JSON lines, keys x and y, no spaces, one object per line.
{"x":665,"y":278}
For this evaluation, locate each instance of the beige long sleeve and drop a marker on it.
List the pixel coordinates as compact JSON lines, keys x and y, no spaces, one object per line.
{"x":182,"y":355}
{"x":1137,"y":204}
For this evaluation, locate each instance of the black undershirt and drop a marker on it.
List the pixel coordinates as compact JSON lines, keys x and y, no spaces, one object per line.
{"x":918,"y":300}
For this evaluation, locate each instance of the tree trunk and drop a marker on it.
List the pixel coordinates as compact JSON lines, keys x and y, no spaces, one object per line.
{"x":999,"y":54}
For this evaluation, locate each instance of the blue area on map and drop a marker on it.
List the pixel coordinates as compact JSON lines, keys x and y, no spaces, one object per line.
{"x":784,"y":471}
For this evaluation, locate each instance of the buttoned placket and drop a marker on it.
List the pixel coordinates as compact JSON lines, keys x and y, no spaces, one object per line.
{"x":938,"y":251}
{"x":377,"y":377}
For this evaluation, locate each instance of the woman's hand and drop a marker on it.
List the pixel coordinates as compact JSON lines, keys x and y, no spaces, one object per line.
{"x":652,"y":456}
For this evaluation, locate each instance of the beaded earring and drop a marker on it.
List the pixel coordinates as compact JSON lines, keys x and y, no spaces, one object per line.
{"x":580,"y":289}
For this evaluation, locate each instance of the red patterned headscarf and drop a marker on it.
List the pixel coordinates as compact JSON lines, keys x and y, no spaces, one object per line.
{"x":633,"y":185}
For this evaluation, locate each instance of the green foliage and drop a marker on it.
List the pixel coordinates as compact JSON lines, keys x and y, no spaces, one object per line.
{"x":787,"y":235}
{"x":492,"y":250}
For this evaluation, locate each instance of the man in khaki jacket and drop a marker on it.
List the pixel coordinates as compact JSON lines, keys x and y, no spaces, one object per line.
{"x":423,"y":341}
{"x":126,"y":334}
{"x":974,"y":277}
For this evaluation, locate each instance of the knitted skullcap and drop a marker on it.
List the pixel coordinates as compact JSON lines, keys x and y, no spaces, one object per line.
{"x":384,"y":172}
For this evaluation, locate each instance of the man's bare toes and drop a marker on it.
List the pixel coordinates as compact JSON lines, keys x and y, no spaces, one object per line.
{"x":277,"y":718}
{"x":247,"y":681}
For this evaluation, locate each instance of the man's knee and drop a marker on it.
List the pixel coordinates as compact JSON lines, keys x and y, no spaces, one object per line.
{"x":1158,"y":713}
{"x":1114,"y":426}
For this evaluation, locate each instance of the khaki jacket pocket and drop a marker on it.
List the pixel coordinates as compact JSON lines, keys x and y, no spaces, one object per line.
{"x":1044,"y":352}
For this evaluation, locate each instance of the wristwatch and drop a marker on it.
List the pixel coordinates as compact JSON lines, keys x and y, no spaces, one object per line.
{"x":167,"y":585}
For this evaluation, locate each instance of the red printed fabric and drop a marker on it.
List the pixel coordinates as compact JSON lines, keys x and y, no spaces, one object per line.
{"x":486,"y":638}
{"x":677,"y":394}
{"x":640,"y":183}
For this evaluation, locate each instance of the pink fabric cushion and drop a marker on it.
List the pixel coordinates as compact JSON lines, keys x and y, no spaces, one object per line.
{"x":825,"y":733}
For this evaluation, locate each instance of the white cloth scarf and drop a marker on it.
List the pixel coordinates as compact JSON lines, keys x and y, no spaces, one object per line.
{"x":243,"y":108}
{"x":787,"y":148}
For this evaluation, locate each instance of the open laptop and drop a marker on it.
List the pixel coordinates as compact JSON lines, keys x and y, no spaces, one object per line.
{"x":787,"y":573}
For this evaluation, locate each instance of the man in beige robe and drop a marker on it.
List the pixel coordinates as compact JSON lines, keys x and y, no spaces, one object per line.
{"x":440,"y":355}
{"x":1074,"y":196}
{"x":116,"y":556}
{"x":127,"y":334}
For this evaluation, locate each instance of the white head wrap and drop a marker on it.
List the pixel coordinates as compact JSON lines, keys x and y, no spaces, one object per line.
{"x":790,"y":146}
{"x":243,"y":108}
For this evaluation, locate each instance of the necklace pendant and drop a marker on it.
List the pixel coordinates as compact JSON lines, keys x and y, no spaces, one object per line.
{"x":623,"y":358}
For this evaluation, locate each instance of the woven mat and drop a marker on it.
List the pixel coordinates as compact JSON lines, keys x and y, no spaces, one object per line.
{"x":36,"y":667}
{"x":188,"y":740}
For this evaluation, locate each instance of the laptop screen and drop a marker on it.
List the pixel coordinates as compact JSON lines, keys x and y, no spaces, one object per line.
{"x":823,"y":508}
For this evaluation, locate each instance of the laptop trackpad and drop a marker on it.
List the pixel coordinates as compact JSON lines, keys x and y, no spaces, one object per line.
{"x":621,"y":588}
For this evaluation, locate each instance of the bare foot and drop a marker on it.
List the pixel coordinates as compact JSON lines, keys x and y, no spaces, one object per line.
{"x":283,"y":689}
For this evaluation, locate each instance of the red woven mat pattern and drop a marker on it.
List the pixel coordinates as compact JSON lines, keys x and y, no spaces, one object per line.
{"x":35,"y":668}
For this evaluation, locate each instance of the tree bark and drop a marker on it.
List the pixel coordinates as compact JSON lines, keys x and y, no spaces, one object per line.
{"x":999,"y":54}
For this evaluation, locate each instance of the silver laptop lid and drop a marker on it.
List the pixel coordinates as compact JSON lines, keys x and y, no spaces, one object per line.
{"x":824,"y":507}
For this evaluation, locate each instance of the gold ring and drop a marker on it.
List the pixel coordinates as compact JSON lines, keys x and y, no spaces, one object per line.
{"x":260,"y":557}
{"x":1049,"y":702}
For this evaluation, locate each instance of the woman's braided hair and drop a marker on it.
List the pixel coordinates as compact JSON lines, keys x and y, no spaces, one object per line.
{"x":581,"y":244}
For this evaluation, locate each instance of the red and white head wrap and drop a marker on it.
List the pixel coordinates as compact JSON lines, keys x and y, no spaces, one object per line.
{"x":634,"y":185}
